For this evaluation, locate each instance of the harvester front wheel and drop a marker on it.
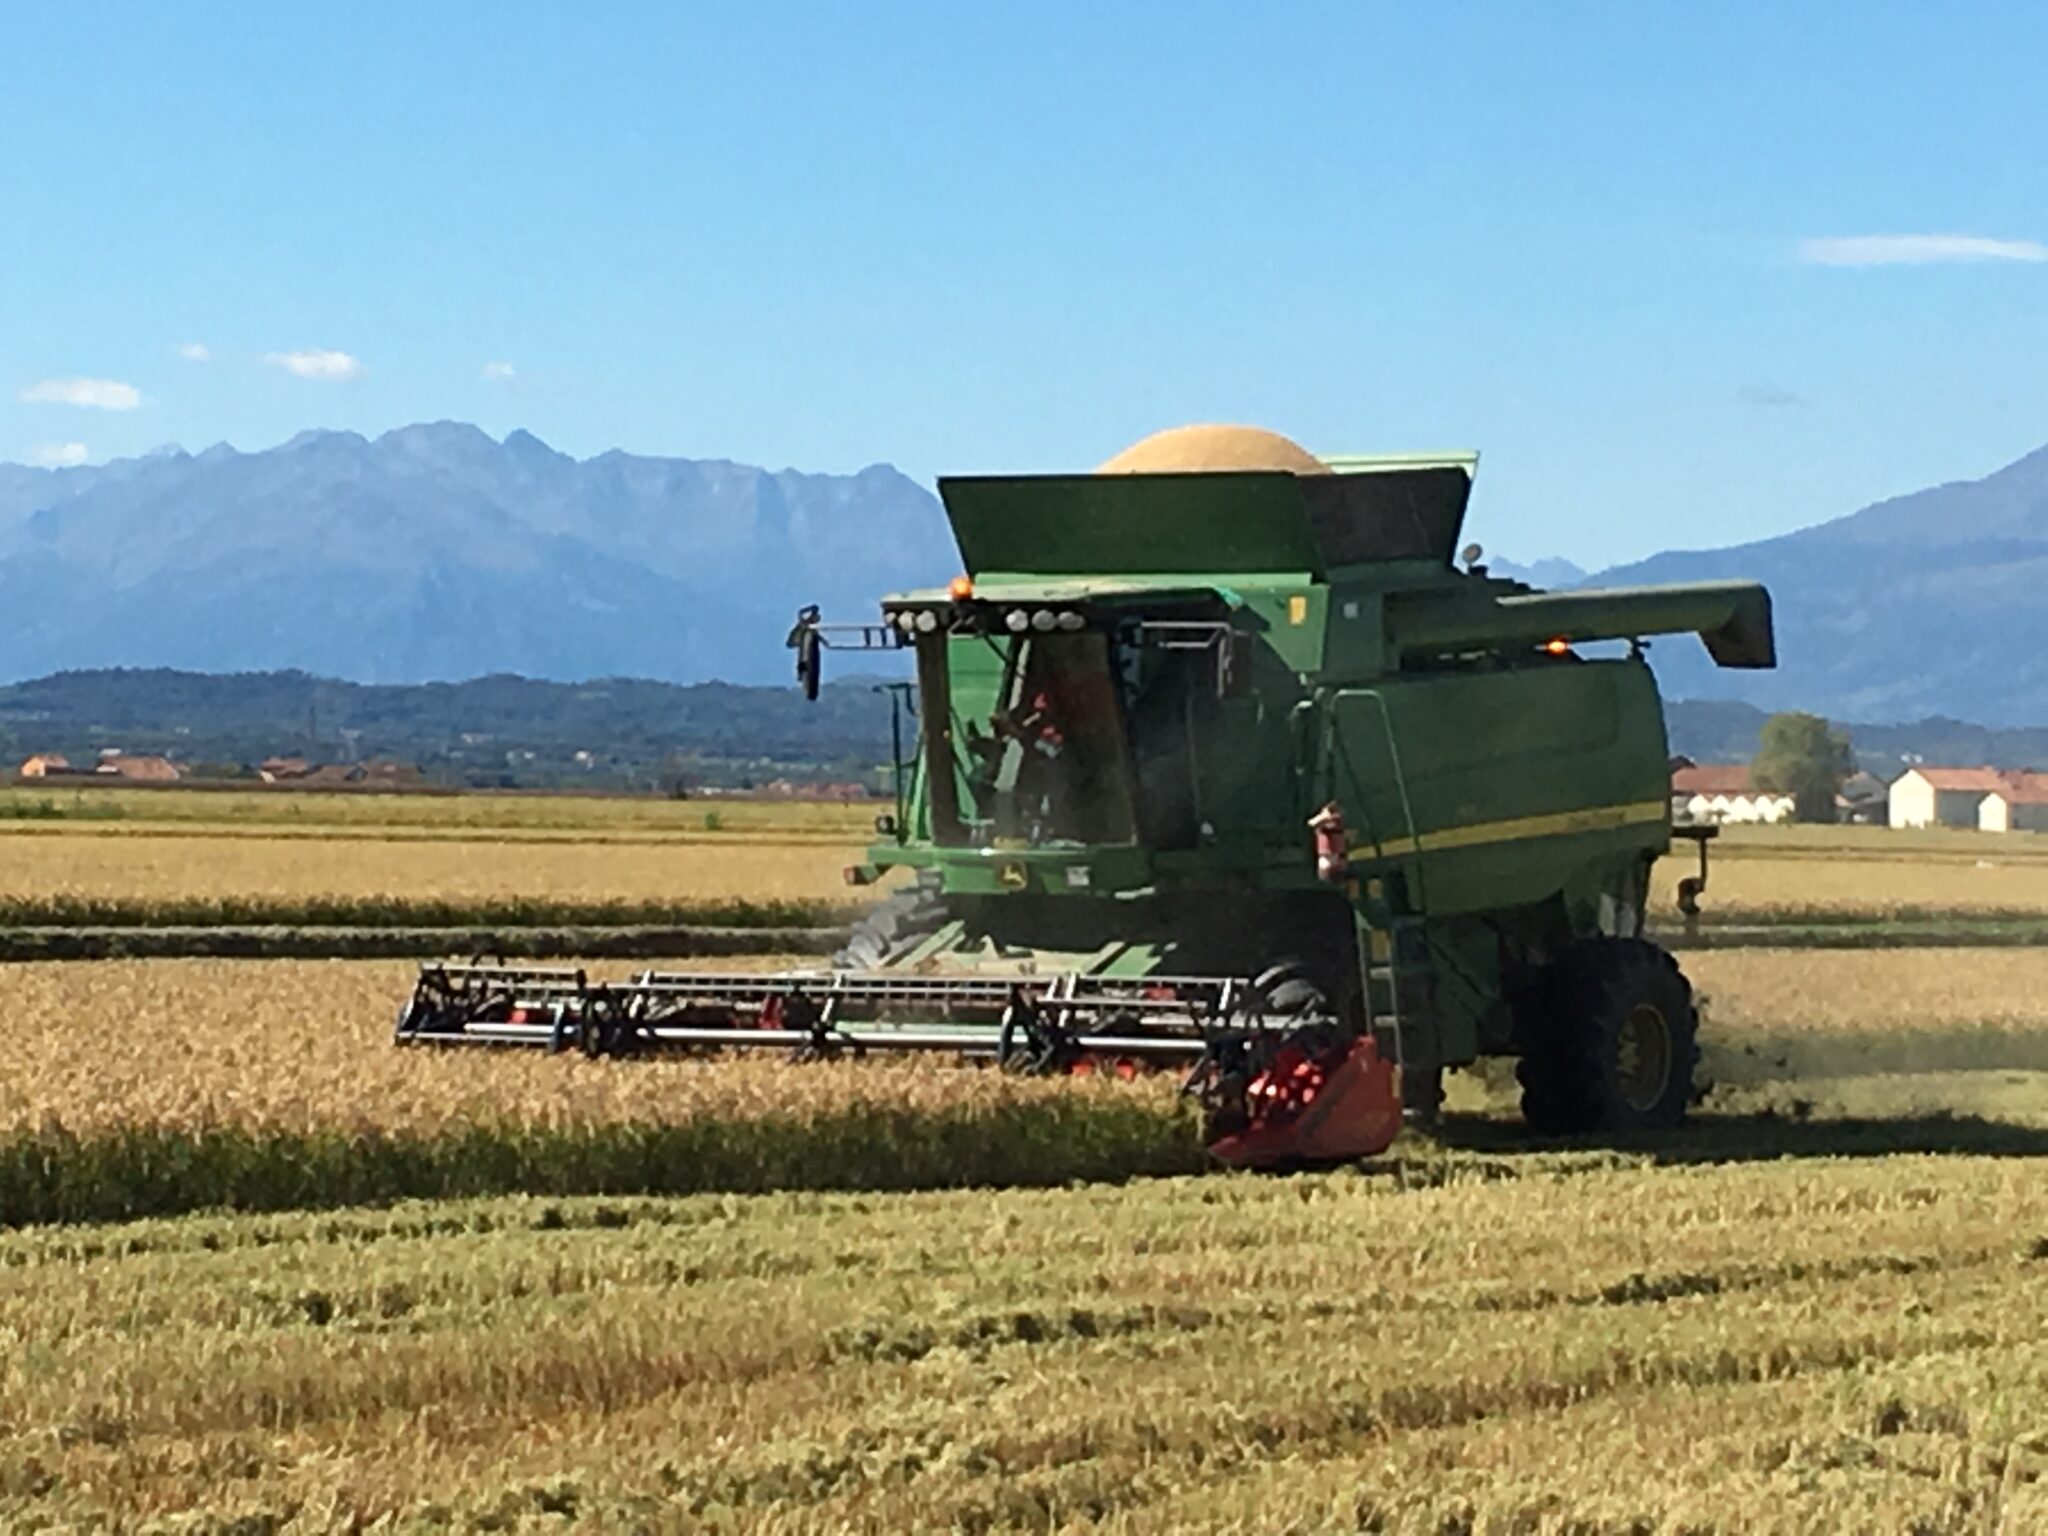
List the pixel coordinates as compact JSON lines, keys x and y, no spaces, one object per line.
{"x":894,"y":927}
{"x":1614,"y":1041}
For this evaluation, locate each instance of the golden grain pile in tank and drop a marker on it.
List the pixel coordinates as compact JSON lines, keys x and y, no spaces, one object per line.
{"x":1212,"y":448}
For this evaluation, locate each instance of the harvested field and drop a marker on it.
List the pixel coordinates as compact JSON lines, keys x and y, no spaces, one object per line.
{"x":1786,"y":1347}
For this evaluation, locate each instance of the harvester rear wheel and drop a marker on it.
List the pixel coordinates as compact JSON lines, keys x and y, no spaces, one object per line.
{"x":1614,"y":1041}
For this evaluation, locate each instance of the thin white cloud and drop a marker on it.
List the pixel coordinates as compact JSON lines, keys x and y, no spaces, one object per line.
{"x":196,"y":352}
{"x":58,"y":455}
{"x":500,"y":373}
{"x":317,"y":364}
{"x":100,"y":394}
{"x":1915,"y":250}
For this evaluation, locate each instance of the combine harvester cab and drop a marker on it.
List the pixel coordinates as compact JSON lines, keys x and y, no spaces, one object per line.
{"x":1216,"y":758}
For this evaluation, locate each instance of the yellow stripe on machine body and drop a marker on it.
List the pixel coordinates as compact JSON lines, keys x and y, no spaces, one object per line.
{"x":1598,"y":818}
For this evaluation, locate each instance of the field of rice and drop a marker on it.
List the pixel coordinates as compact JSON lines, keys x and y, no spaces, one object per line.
{"x":172,"y":872}
{"x":1544,"y":1343}
{"x":750,"y":1296}
{"x":1839,"y":873}
{"x":256,"y":1063}
{"x":391,"y":853}
{"x":337,"y":813}
{"x":306,"y":1045}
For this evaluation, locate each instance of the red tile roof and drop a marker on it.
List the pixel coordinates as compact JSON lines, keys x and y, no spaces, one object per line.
{"x":1977,"y":780}
{"x":142,"y":767}
{"x":1712,"y":779}
{"x":2024,"y":789}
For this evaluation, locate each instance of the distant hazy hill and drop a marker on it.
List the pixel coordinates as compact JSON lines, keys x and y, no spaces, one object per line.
{"x":1552,"y":574}
{"x":1934,"y":603}
{"x":436,"y":552}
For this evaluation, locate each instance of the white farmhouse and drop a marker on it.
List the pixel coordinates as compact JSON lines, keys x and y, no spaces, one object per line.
{"x":2020,"y":804}
{"x":1941,"y":797}
{"x":1720,"y":792}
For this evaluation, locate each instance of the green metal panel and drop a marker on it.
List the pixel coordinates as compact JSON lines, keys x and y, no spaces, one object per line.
{"x":1126,"y":524}
{"x":1498,"y":787}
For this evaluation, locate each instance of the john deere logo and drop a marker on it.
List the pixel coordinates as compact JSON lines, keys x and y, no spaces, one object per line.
{"x":1012,"y":876}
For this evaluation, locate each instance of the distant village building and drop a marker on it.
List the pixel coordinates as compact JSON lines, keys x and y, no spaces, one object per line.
{"x":2020,"y":804}
{"x":44,"y":764}
{"x":1722,"y":792}
{"x":1941,"y":797}
{"x":142,"y":768}
{"x":384,"y":773}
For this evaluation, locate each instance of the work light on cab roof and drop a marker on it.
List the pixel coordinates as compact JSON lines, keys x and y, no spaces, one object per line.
{"x":1215,"y":759}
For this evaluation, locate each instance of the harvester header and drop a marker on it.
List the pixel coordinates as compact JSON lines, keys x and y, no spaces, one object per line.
{"x":1222,"y":755}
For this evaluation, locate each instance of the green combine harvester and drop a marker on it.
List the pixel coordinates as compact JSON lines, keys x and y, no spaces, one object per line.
{"x":1215,"y":758}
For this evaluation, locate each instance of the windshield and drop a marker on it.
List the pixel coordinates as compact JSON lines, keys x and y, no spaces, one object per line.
{"x":1035,"y":754}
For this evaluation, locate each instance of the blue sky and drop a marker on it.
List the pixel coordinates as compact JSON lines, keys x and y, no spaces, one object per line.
{"x":978,"y":238}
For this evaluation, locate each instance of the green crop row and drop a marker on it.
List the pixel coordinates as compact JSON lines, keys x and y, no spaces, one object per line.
{"x":136,"y":1171}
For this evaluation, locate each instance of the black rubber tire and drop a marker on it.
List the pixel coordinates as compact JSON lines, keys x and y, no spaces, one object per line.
{"x":897,"y":925}
{"x":1614,"y":1042}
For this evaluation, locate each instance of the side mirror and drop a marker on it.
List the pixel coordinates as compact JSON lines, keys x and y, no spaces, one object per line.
{"x":809,"y":646}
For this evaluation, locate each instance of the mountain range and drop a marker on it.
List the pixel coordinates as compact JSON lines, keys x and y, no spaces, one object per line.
{"x":437,"y":552}
{"x":1932,"y":603}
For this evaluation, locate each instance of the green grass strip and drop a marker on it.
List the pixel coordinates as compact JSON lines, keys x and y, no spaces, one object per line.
{"x":123,"y":1174}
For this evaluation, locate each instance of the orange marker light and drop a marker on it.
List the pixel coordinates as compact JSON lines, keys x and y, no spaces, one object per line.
{"x":960,"y":588}
{"x":1558,"y":646}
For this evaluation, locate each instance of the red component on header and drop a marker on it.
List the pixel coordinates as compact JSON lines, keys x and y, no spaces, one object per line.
{"x":1309,"y":1109}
